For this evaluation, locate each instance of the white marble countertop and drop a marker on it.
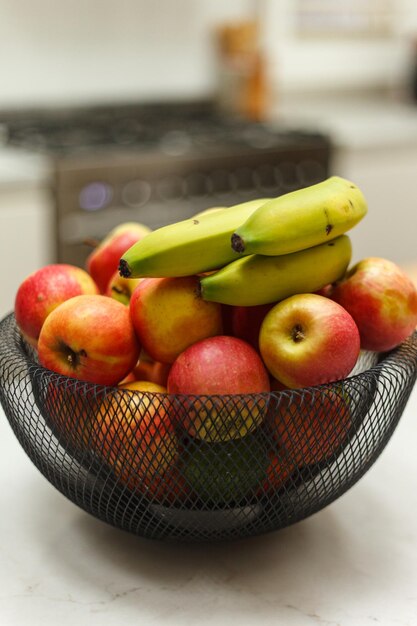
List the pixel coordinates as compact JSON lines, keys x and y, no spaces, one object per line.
{"x":352,"y":564}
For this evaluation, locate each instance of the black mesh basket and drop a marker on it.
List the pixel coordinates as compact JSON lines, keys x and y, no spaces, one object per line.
{"x":202,"y":468}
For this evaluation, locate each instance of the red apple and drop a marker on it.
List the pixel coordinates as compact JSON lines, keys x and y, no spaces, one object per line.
{"x":152,"y":371}
{"x":382,"y":300}
{"x":41,"y":292}
{"x":169,"y":315}
{"x":278,"y":472}
{"x":90,"y":338}
{"x":128,"y":379}
{"x":277,"y":385}
{"x":120,"y":288}
{"x":227,"y":315}
{"x":311,"y":429}
{"x":133,"y":433}
{"x":220,"y":366}
{"x":247,"y":320}
{"x":103,"y":261}
{"x":307,"y":340}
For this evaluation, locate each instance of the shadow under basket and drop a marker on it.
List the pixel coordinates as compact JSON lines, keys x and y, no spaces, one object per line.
{"x":202,"y":468}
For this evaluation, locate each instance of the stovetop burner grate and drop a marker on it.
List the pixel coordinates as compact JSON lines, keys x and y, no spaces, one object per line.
{"x":170,"y":129}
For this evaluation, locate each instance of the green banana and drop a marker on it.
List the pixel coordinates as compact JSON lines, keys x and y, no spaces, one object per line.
{"x":257,"y":279}
{"x":188,"y":247}
{"x":301,"y":219}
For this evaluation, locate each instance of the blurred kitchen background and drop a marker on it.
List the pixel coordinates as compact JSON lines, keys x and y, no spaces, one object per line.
{"x":121,"y":110}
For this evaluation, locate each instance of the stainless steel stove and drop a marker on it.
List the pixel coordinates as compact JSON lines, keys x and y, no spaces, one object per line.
{"x":159,"y":163}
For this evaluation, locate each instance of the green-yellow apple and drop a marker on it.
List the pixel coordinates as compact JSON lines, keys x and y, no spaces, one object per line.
{"x":312,"y":428}
{"x":308,"y":340}
{"x":90,"y":338}
{"x":41,"y":292}
{"x":382,"y":300}
{"x":103,"y":261}
{"x":226,"y":472}
{"x":133,"y":433}
{"x":169,"y":315}
{"x":220,"y":366}
{"x":121,"y":288}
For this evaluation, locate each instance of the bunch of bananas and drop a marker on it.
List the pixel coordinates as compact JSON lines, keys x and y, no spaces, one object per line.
{"x":260,"y":251}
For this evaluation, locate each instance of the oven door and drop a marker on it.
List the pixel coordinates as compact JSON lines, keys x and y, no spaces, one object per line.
{"x":93,"y":195}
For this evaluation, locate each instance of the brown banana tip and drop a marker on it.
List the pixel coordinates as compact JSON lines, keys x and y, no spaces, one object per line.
{"x":238,"y":244}
{"x":124,"y":269}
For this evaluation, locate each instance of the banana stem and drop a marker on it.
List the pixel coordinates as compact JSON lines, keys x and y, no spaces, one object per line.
{"x":124,"y":269}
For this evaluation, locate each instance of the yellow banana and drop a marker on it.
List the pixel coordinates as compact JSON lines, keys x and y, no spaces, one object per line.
{"x":257,"y":279}
{"x":188,"y":247}
{"x":301,"y":219}
{"x":213,"y":209}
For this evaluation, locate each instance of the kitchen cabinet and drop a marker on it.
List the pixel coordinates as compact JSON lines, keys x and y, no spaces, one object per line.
{"x":374,"y":145}
{"x":26,"y":219}
{"x":387,"y":177}
{"x":26,"y":227}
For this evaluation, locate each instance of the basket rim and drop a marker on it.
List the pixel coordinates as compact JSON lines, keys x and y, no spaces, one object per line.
{"x":22,"y":347}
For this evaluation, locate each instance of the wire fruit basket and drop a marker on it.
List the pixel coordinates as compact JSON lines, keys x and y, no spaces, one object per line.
{"x":202,"y":468}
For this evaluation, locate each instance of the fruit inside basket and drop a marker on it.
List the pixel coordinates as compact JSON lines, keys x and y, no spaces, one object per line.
{"x":288,"y":464}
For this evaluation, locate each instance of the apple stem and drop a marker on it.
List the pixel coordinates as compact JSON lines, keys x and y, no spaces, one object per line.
{"x":73,"y":358}
{"x":297,"y":333}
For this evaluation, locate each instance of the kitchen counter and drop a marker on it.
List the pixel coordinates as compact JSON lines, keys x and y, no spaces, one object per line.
{"x":352,"y":564}
{"x":356,"y":120}
{"x":20,"y":167}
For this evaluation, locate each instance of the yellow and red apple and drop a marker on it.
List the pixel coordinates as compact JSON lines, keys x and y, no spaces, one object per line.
{"x":142,"y":385}
{"x":219,"y":366}
{"x":382,"y":300}
{"x":308,"y":340}
{"x":69,"y":411}
{"x":134,"y":435}
{"x":120,"y":288}
{"x":150,"y":370}
{"x":103,"y":261}
{"x":41,"y":292}
{"x":90,"y":338}
{"x":169,"y":315}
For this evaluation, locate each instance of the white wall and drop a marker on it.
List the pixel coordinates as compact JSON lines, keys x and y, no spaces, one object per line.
{"x":308,"y":63}
{"x":107,"y":49}
{"x":80,"y":50}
